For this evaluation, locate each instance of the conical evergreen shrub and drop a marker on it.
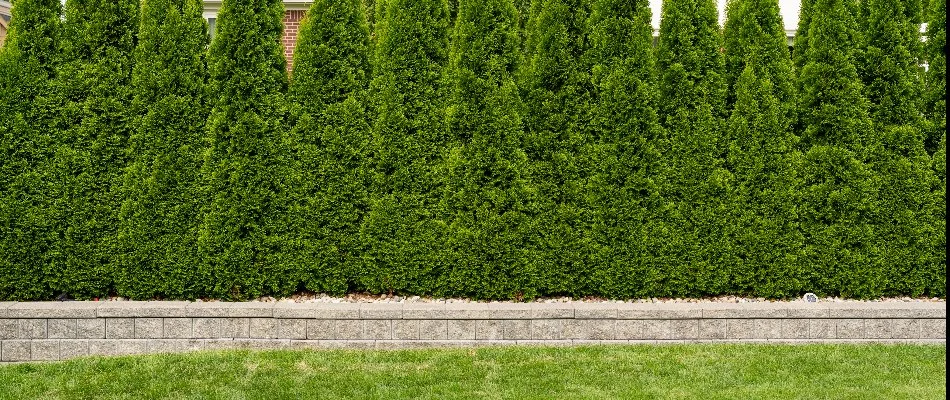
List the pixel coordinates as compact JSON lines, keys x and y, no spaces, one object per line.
{"x":489,"y":197}
{"x":837,"y":139}
{"x":627,"y":209}
{"x":764,"y":159}
{"x":937,"y":282}
{"x":889,"y":62}
{"x":800,"y":44}
{"x":245,"y":170}
{"x":158,"y":225}
{"x":935,"y":79}
{"x":403,"y":232}
{"x":557,"y":93}
{"x":692,"y":100}
{"x":93,"y":126}
{"x":27,"y":63}
{"x":331,"y":76}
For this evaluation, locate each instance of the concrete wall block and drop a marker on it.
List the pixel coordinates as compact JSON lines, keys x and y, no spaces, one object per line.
{"x":142,"y":309}
{"x":15,"y":350}
{"x":177,"y":328}
{"x":547,"y":329}
{"x":423,"y":311}
{"x":433,"y":329}
{"x":893,"y":328}
{"x":933,"y":329}
{"x":378,"y":329}
{"x":252,"y":344}
{"x":9,"y":329}
{"x":551,"y":311}
{"x":174,"y":345}
{"x":510,"y":311}
{"x":468,"y":311}
{"x":795,"y":328}
{"x":517,"y":329}
{"x":120,"y":328}
{"x":44,"y":350}
{"x":822,"y":329}
{"x":627,"y":329}
{"x":682,"y":329}
{"x":32,"y":328}
{"x":489,"y":330}
{"x":208,"y":328}
{"x":714,"y":328}
{"x":91,"y":328}
{"x":149,"y":328}
{"x":263,"y":328}
{"x":61,"y":328}
{"x":589,"y":329}
{"x":461,"y":330}
{"x":72,"y":348}
{"x":381,"y":311}
{"x":349,"y":329}
{"x":850,"y":329}
{"x":218,"y":309}
{"x":317,"y":310}
{"x":320,"y":329}
{"x":114,"y":347}
{"x":50,"y":309}
{"x":595,"y":311}
{"x":405,"y":329}
{"x":238,"y":328}
{"x":658,"y":311}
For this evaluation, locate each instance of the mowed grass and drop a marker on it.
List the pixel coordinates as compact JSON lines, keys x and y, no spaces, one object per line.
{"x":596,"y":372}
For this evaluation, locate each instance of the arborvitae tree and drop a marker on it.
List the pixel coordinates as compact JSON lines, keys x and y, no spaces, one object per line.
{"x":488,"y":194}
{"x":756,"y":27}
{"x":889,"y":62}
{"x":935,"y":79}
{"x":764,"y":158}
{"x":837,"y":138}
{"x":938,"y":278}
{"x":158,"y":228}
{"x":692,"y":96}
{"x":331,"y":75}
{"x":402,"y":232}
{"x":557,"y":93}
{"x":93,"y":128}
{"x":800,"y":44}
{"x":624,"y":150}
{"x":245,"y":170}
{"x":27,"y":64}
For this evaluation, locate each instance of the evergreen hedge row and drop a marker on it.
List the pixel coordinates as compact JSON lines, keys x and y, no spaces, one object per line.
{"x":493,"y":149}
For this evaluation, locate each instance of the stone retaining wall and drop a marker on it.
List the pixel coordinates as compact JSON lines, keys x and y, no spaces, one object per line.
{"x":62,"y":330}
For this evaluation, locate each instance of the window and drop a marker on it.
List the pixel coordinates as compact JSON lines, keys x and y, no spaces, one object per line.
{"x":211,"y":27}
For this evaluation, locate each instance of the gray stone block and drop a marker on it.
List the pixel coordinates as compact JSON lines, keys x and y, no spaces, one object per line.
{"x":381,"y":311}
{"x":468,"y":311}
{"x":378,"y":329}
{"x":32,"y":329}
{"x":120,"y":328}
{"x":552,"y":310}
{"x":91,"y":328}
{"x":177,"y":328}
{"x":50,"y":309}
{"x":174,"y":345}
{"x":516,"y":329}
{"x":44,"y":350}
{"x":433,"y":329}
{"x":510,"y":311}
{"x":8,"y":329}
{"x":320,"y":329}
{"x":684,"y":329}
{"x":292,"y":329}
{"x":651,"y":311}
{"x":317,"y":310}
{"x":349,"y":329}
{"x":115,"y":347}
{"x":143,"y":309}
{"x":795,"y":329}
{"x":208,"y":328}
{"x":263,"y":328}
{"x":489,"y":330}
{"x":742,"y":329}
{"x":547,"y":329}
{"x":595,"y":311}
{"x":892,"y":329}
{"x":238,"y":328}
{"x":217,"y":309}
{"x":405,"y":329}
{"x":589,"y":329}
{"x":72,"y":348}
{"x":148,"y":328}
{"x":657,"y":329}
{"x":15,"y":350}
{"x":253,"y":344}
{"x":423,"y":311}
{"x":630,"y":329}
{"x":809,"y":310}
{"x":714,"y":328}
{"x":61,"y":328}
{"x":850,"y":329}
{"x":461,"y":329}
{"x":933,"y":329}
{"x":821,"y":329}
{"x":334,"y":344}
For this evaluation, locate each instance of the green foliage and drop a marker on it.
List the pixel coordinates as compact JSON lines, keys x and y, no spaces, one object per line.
{"x":938,"y":283}
{"x":763,"y":157}
{"x":27,"y":63}
{"x":692,"y":97}
{"x":801,"y":35}
{"x":754,"y":33}
{"x":245,"y":172}
{"x":838,"y":192}
{"x":331,"y":75}
{"x":489,"y":196}
{"x":557,"y":93}
{"x":935,"y":79}
{"x":627,"y":226}
{"x":161,"y":193}
{"x":92,"y":127}
{"x":403,"y":233}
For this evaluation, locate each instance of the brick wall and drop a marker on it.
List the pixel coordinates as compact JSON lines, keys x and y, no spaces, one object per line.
{"x":292,"y":20}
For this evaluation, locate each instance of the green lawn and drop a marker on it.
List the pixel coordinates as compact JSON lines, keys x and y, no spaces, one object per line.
{"x":598,"y":372}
